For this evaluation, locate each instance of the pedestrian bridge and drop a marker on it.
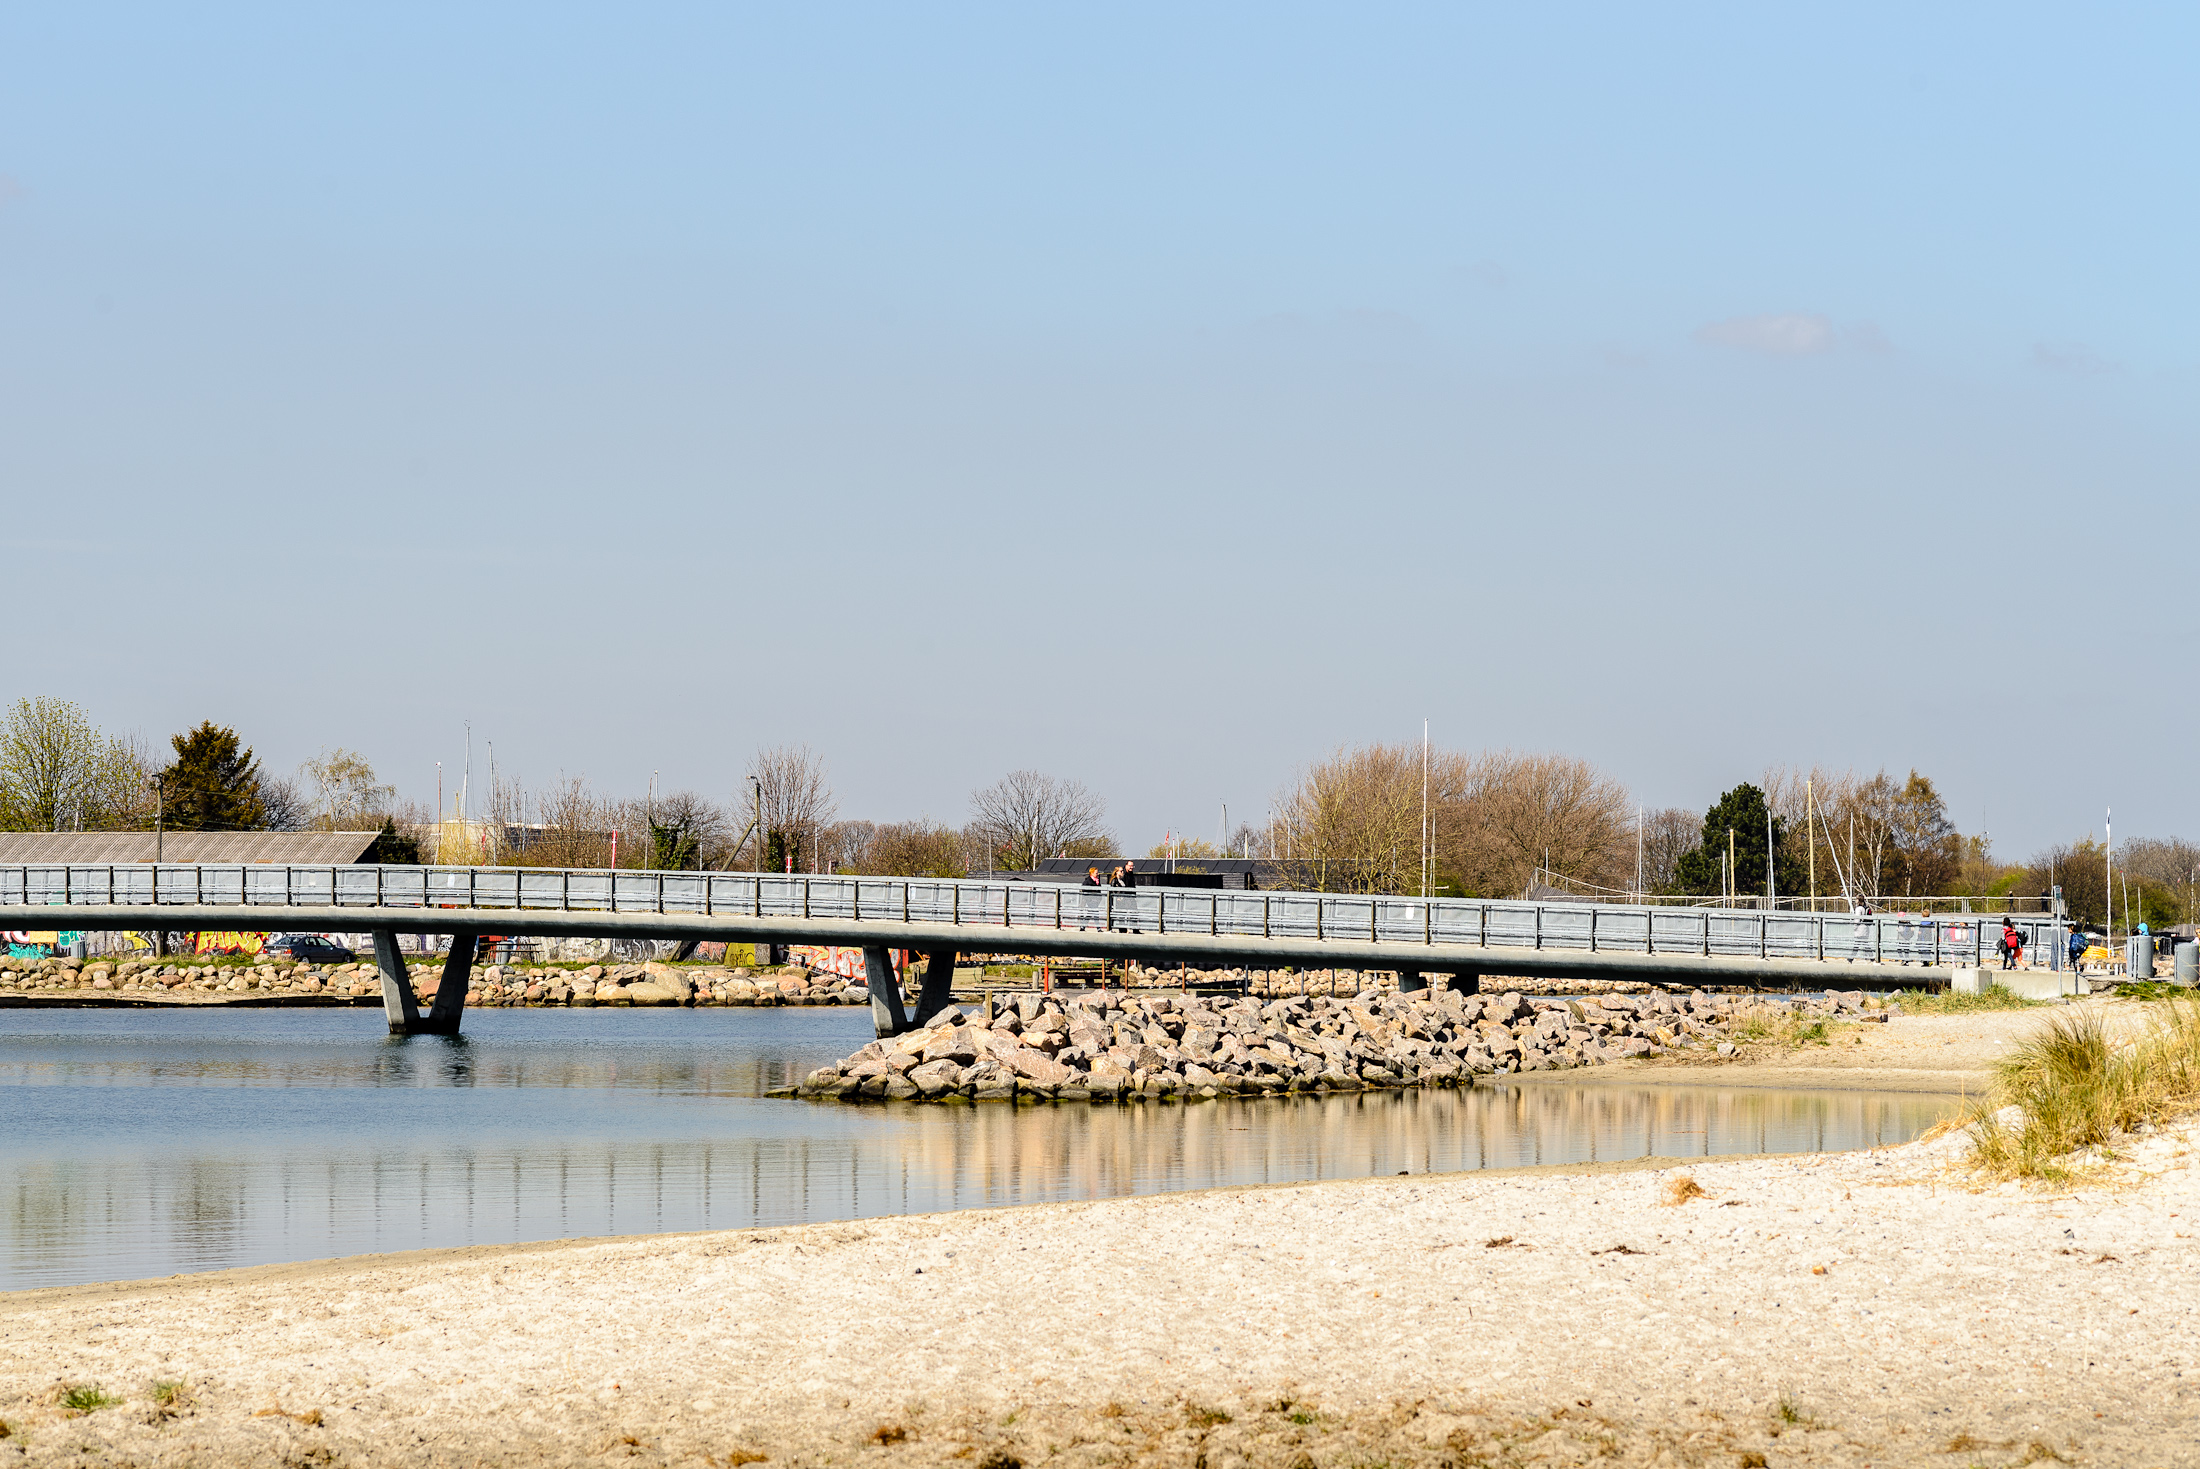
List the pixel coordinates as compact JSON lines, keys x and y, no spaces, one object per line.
{"x":1463,"y":938}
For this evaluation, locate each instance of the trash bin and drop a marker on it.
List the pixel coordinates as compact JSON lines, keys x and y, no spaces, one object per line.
{"x":2187,"y":961}
{"x":2139,"y":957}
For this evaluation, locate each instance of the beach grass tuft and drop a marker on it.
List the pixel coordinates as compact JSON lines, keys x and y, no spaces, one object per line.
{"x":2075,"y":1089}
{"x":87,"y":1397}
{"x":1948,"y":1002}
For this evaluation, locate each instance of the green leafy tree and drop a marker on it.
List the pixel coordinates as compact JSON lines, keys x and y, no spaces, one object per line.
{"x":58,"y":772}
{"x":1742,"y":811}
{"x":214,"y":784}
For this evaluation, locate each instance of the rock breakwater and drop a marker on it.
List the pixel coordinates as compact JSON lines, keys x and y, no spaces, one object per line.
{"x":489,"y":985}
{"x":1113,"y":1047}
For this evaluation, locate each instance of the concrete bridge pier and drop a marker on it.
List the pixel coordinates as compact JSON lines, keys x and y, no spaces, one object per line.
{"x":450,"y":992}
{"x":1464,"y":984}
{"x":887,"y":1016}
{"x":397,"y":990}
{"x":1411,"y":980}
{"x":939,"y":985}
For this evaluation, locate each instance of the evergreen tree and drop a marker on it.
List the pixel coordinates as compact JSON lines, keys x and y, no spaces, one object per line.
{"x":1741,"y":811}
{"x":214,"y":784}
{"x":393,"y":846}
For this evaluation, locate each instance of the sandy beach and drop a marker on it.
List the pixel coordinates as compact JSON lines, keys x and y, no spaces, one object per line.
{"x":1869,"y":1308}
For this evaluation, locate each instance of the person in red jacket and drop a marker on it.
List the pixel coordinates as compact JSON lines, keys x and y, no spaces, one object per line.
{"x":2012,"y":943}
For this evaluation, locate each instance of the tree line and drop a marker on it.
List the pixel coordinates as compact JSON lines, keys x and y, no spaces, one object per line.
{"x":1374,"y":818}
{"x":1386,"y":818}
{"x":60,"y":772}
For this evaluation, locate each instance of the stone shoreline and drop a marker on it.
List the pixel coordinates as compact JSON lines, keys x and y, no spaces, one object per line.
{"x":491,"y":985}
{"x":1109,"y":1047}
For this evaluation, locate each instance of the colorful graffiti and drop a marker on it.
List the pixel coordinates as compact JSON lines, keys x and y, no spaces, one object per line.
{"x":38,"y":943}
{"x":847,"y":963}
{"x":227,"y":943}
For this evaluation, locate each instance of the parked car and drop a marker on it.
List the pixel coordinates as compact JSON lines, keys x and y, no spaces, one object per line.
{"x":309,"y":948}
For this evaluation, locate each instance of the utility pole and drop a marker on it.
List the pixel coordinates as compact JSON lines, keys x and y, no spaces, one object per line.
{"x":1638,"y":852}
{"x":1733,"y":878}
{"x":2108,"y":877}
{"x":1424,"y":808}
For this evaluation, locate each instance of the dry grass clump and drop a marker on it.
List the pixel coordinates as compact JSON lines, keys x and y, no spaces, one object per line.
{"x":1681,"y":1188}
{"x":1780,"y":1027}
{"x":2074,"y":1088}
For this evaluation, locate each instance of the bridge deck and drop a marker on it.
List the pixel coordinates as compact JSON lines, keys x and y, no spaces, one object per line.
{"x":1207,"y":927}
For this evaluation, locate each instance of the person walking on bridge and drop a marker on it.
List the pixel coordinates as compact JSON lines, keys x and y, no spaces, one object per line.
{"x":2077,"y":948}
{"x":2012,"y":943}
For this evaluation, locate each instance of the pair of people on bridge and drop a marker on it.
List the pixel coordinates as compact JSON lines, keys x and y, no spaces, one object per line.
{"x":1118,"y":877}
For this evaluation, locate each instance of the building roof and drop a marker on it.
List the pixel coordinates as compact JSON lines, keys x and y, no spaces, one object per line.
{"x":98,"y":848}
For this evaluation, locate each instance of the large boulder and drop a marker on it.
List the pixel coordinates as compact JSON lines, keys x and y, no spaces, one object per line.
{"x":682,"y":987}
{"x":960,"y":1044}
{"x":991,"y":1081}
{"x":1036,"y":1066}
{"x":937,"y":1078}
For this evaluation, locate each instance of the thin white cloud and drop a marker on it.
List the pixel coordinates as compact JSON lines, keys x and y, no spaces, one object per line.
{"x":1782,"y":334}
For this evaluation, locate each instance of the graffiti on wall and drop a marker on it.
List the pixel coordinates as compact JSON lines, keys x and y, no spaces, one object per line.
{"x":847,"y":963}
{"x":227,"y":943}
{"x":38,"y":943}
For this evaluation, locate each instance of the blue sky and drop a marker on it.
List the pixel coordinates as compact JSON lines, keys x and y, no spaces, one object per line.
{"x":1156,"y":396}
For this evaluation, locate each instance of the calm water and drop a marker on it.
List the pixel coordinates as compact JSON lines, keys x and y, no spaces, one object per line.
{"x":136,"y":1145}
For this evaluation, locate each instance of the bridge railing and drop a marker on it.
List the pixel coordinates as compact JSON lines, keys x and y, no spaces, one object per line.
{"x":1012,"y":906}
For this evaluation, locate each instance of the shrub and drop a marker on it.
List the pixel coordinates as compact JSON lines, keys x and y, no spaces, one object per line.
{"x":2075,"y":1088}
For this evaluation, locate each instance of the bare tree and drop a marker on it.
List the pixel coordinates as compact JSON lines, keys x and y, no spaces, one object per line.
{"x":1557,"y":812}
{"x":1667,"y":834}
{"x":346,"y":796}
{"x":1927,"y":847}
{"x":792,"y":805}
{"x":2080,"y":869}
{"x":687,"y":831}
{"x":2173,"y":862}
{"x":572,"y":825}
{"x":58,"y":772}
{"x":284,"y":805}
{"x":1025,"y":816}
{"x":922,"y":848}
{"x":1352,"y":823}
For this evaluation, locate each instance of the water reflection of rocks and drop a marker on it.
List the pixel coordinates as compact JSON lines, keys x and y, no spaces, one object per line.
{"x":699,"y":1163}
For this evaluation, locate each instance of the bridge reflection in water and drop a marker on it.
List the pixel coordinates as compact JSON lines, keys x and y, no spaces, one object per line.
{"x":132,"y":1159}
